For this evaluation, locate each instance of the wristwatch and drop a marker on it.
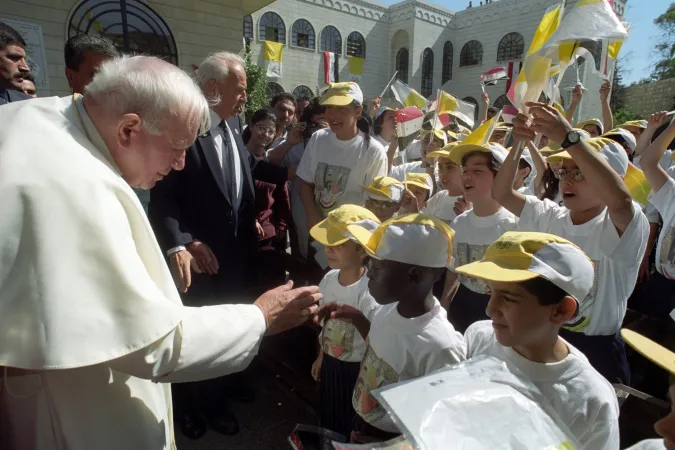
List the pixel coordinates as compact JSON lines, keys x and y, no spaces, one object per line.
{"x":573,"y":137}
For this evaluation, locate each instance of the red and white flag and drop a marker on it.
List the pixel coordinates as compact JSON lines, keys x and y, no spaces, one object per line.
{"x":491,"y":77}
{"x":330,"y":67}
{"x":408,"y":124}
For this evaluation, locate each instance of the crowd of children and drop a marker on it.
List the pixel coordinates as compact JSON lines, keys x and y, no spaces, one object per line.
{"x":532,"y":253}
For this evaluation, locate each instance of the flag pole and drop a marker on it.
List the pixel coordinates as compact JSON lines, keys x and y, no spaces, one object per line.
{"x":389,"y":84}
{"x":438,"y":105}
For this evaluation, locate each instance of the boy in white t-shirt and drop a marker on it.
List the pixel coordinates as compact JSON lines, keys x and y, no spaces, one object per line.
{"x":341,"y":347}
{"x":475,"y":230}
{"x":409,"y":336}
{"x":384,"y":197}
{"x":662,"y":283}
{"x":537,"y":281}
{"x":599,"y":216}
{"x":430,"y":141}
{"x":442,"y":203}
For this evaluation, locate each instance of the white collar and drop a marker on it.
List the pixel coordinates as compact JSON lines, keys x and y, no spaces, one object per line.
{"x":92,"y":133}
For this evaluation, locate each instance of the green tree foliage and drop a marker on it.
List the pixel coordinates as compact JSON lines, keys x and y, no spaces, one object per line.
{"x":256,"y":88}
{"x":665,"y":67}
{"x":623,"y":115}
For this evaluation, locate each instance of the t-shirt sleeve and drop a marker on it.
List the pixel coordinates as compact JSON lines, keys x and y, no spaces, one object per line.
{"x":628,"y":248}
{"x":378,"y":163}
{"x":652,"y":213}
{"x":537,"y":215}
{"x":398,"y":172}
{"x":324,"y":287}
{"x":308,"y":162}
{"x":367,"y":305}
{"x":664,"y":201}
{"x":476,"y":338}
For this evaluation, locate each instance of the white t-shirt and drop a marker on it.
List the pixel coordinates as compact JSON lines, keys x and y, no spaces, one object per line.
{"x":665,"y":162}
{"x":664,"y":201}
{"x":292,"y":159}
{"x":649,"y":444}
{"x":337,"y":168}
{"x":473,"y":235}
{"x":399,"y":172}
{"x":616,"y":259}
{"x":341,"y":339}
{"x":441,"y":205}
{"x":583,"y":399}
{"x":402,"y":349}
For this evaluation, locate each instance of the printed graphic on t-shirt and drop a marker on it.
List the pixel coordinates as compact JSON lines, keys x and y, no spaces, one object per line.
{"x":330,"y":183}
{"x":374,"y":373}
{"x":338,"y":338}
{"x":667,"y":254}
{"x":468,"y":253}
{"x":583,"y":319}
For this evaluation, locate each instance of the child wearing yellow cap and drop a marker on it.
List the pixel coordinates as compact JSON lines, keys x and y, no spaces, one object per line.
{"x":421,"y":186}
{"x":442,"y":203}
{"x":409,"y":336}
{"x":475,"y":230}
{"x":665,"y":359}
{"x":341,"y":347}
{"x":599,"y":216}
{"x":430,"y":141}
{"x":383,"y":197}
{"x":538,"y":282}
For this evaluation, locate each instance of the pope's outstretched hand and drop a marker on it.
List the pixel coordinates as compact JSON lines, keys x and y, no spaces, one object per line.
{"x":285,"y":308}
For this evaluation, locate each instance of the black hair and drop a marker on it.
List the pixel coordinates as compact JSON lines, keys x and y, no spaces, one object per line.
{"x":550,"y":185}
{"x":546,"y":292}
{"x":660,"y":130}
{"x":314,"y":108}
{"x":363,"y":124}
{"x":303,"y":98}
{"x":377,"y":124}
{"x":258,"y":116}
{"x":522,"y":164}
{"x":492,"y":163}
{"x":76,"y":46}
{"x":281,"y":97}
{"x":9,"y":36}
{"x":493,"y":110}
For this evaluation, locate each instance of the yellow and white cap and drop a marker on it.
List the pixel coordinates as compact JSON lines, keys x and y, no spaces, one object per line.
{"x":596,"y":122}
{"x":642,"y":124}
{"x":498,"y":151}
{"x":521,"y":256}
{"x":422,"y":180}
{"x":624,"y":134}
{"x":342,"y":94}
{"x":386,"y":189}
{"x":440,"y":134}
{"x":612,"y":151}
{"x":654,"y":352}
{"x":381,"y":110}
{"x":444,"y":152}
{"x":332,"y":231}
{"x":503,"y":126}
{"x":417,"y":239}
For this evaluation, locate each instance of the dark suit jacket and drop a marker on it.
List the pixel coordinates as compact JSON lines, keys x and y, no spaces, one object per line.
{"x":193,"y":205}
{"x":14,"y":96}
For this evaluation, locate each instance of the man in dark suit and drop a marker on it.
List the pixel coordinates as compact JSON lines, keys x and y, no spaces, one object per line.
{"x":204,"y":218}
{"x":13,"y":67}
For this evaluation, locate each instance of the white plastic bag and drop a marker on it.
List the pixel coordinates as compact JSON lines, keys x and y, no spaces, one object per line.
{"x":477,"y":404}
{"x":399,"y":443}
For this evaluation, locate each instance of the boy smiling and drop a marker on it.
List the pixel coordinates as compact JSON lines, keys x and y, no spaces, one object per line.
{"x":537,"y":283}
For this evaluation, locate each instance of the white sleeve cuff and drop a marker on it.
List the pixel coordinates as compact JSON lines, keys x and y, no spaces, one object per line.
{"x":175,"y":250}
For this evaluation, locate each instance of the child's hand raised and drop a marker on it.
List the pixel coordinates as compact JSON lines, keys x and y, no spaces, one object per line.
{"x":334,"y":310}
{"x":409,"y":203}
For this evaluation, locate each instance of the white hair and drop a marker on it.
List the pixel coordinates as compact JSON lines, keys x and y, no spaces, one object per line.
{"x":159,"y":92}
{"x":216,"y":67}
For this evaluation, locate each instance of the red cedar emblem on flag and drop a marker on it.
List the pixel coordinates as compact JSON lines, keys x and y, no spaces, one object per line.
{"x":408,"y":123}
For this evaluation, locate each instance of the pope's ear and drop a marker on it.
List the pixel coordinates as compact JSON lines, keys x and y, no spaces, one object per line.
{"x":128,"y":126}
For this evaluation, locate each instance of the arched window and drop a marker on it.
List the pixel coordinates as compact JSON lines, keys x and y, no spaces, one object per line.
{"x":427,"y":72}
{"x":129,"y":24}
{"x":475,"y":104}
{"x":447,"y":62}
{"x":331,"y":40}
{"x":271,"y":28}
{"x":402,"y":64}
{"x":302,"y":34}
{"x":273,"y":89}
{"x":302,"y":91}
{"x":248,"y":28}
{"x":471,"y":55}
{"x":511,"y":47}
{"x":356,"y":45}
{"x":502,"y":101}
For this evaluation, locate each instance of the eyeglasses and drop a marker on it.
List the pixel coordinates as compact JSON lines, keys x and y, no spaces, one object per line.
{"x":378,"y":204}
{"x":574,"y":175}
{"x":266,"y":130}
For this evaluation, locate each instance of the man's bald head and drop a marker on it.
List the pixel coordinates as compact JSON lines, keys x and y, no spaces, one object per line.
{"x":222,"y":79}
{"x":148,"y":112}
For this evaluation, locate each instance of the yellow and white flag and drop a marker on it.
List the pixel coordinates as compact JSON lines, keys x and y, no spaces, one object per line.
{"x":462,"y":110}
{"x":407,"y":96}
{"x":273,"y":55}
{"x":482,"y":134}
{"x":356,"y":68}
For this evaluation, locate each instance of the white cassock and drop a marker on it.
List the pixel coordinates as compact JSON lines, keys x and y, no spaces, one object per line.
{"x":92,"y":329}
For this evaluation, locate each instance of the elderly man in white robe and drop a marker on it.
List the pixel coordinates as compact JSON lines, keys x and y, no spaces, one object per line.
{"x":92,"y":329}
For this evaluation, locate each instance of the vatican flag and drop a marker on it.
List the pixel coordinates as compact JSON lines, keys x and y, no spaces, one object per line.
{"x":356,"y":68}
{"x":407,"y":96}
{"x":482,"y":134}
{"x":637,"y":184}
{"x":462,"y":110}
{"x":273,"y":54}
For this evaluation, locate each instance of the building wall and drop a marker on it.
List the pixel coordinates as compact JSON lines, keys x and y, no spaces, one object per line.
{"x":199,"y":28}
{"x":645,"y":99}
